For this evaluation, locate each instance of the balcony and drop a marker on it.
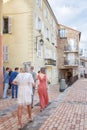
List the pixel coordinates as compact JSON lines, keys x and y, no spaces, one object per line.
{"x":68,"y":49}
{"x":49,"y":61}
{"x":73,"y":63}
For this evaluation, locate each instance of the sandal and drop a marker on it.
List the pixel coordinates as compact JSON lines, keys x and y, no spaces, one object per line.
{"x":41,"y":110}
{"x":19,"y":127}
{"x":31,"y":120}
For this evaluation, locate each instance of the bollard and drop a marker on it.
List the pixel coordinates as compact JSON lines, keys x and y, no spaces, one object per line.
{"x":62,"y":85}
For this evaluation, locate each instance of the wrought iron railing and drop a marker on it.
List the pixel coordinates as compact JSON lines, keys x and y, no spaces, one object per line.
{"x":70,"y":48}
{"x":71,"y":62}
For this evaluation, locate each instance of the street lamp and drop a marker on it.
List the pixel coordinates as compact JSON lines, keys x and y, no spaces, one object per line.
{"x":41,"y":41}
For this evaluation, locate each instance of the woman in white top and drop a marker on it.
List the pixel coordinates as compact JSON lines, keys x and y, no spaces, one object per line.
{"x":25,"y":83}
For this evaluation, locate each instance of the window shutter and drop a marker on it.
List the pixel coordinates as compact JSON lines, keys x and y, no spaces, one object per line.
{"x":46,"y":13}
{"x":43,"y":28}
{"x":40,"y":24}
{"x":39,"y":3}
{"x":47,"y":33}
{"x":39,"y":50}
{"x":2,"y":25}
{"x":48,"y":53}
{"x":9,"y":24}
{"x":36,"y":22}
{"x":5,"y":51}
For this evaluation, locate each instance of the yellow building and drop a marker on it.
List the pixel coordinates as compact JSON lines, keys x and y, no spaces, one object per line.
{"x":30,"y":35}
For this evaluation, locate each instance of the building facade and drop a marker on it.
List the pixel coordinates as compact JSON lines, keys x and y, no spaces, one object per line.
{"x":30,"y":36}
{"x":83,"y":66}
{"x":68,"y":53}
{"x":1,"y":51}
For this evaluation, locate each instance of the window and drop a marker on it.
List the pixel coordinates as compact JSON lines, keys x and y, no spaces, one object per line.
{"x":39,"y":3}
{"x":38,"y":23}
{"x":54,"y":55}
{"x":53,"y":40}
{"x":7,"y":25}
{"x":46,"y":13}
{"x":5,"y":53}
{"x":39,"y":50}
{"x":48,"y":53}
{"x":62,"y":33}
{"x":71,"y":58}
{"x":72,"y":44}
{"x":47,"y":33}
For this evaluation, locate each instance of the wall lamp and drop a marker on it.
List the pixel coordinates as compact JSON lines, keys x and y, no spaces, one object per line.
{"x":41,"y":41}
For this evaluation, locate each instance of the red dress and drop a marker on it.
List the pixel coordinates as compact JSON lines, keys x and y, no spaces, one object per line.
{"x":42,"y":91}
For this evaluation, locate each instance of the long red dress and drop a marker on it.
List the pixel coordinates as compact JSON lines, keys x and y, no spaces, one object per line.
{"x":42,"y":91}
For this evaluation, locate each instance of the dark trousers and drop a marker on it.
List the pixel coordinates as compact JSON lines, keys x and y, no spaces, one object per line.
{"x":33,"y":90}
{"x":14,"y":90}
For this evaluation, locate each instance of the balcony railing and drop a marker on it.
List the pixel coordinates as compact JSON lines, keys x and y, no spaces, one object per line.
{"x":71,"y":63}
{"x":50,"y":62}
{"x":70,"y":49}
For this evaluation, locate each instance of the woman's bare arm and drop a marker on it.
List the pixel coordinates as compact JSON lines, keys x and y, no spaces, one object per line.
{"x":14,"y":82}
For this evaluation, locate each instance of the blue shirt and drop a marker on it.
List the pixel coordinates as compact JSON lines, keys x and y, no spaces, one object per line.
{"x":6,"y":77}
{"x":12,"y":76}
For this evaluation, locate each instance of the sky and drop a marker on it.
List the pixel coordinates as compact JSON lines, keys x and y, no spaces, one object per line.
{"x":72,"y":13}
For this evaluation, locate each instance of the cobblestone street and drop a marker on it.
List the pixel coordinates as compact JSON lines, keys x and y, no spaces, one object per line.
{"x":8,"y":110}
{"x":66,"y":110}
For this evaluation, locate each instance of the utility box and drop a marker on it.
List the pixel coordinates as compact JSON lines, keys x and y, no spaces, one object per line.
{"x":62,"y":85}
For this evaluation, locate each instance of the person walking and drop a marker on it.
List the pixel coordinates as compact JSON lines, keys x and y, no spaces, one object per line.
{"x":10,"y":71}
{"x":42,"y":88}
{"x":34,"y":78}
{"x":13,"y":86}
{"x":25,"y":83}
{"x":6,"y":82}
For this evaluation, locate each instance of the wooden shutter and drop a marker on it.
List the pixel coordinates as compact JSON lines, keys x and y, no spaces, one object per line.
{"x":5,"y":53}
{"x":9,"y":24}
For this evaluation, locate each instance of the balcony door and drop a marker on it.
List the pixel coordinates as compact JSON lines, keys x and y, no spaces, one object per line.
{"x":71,"y":59}
{"x":72,"y":44}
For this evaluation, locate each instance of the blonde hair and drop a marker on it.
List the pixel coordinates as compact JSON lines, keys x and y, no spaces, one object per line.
{"x":22,"y":70}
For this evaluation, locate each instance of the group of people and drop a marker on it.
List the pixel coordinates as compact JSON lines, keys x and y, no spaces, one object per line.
{"x":24,"y":83}
{"x":9,"y":76}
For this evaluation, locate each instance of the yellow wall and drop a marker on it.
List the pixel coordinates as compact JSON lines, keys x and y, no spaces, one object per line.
{"x":22,"y":40}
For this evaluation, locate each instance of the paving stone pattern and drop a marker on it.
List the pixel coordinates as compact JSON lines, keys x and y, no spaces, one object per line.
{"x":66,"y":111}
{"x":8,"y":110}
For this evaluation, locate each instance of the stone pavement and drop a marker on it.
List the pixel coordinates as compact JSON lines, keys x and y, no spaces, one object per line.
{"x":67,"y":112}
{"x":8,"y":110}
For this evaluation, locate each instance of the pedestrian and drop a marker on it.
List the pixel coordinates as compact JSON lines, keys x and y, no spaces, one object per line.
{"x":4,"y":70}
{"x":6,"y":82}
{"x":42,"y":88}
{"x":34,"y":78}
{"x":10,"y":71}
{"x":25,"y":83}
{"x":13,"y":86}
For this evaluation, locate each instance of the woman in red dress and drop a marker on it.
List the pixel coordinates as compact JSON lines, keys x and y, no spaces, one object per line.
{"x":42,"y":88}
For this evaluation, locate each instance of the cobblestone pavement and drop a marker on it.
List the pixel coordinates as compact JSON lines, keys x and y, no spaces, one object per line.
{"x":67,"y":112}
{"x":8,"y":110}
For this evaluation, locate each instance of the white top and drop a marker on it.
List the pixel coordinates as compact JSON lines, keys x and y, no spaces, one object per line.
{"x":24,"y":81}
